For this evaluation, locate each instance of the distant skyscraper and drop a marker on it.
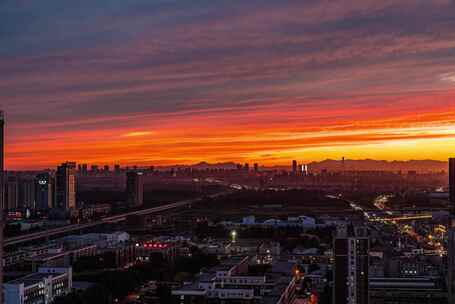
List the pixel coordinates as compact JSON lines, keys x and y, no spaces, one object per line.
{"x":12,"y":193}
{"x":451,"y":233}
{"x":256,"y":167}
{"x":106,"y":169}
{"x":452,"y":184}
{"x":117,"y":169}
{"x":294,"y":167}
{"x":2,"y":205}
{"x":351,"y":249}
{"x":27,"y":193}
{"x":134,"y":188}
{"x":44,"y":191}
{"x":247,"y":167}
{"x":94,"y":169}
{"x":84,"y":169}
{"x":65,"y":179}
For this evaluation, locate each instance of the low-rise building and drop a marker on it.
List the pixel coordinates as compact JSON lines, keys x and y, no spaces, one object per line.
{"x":231,"y":282}
{"x":41,"y":287}
{"x":406,"y":291}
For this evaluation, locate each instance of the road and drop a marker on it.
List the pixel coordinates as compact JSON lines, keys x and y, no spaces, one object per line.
{"x":110,"y":219}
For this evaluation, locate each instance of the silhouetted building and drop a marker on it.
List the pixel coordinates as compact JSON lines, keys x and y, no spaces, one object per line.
{"x":117,"y":169}
{"x":44,"y":191}
{"x":106,"y":169}
{"x":294,"y":167}
{"x":451,"y":234}
{"x":65,"y":180}
{"x":84,"y":169}
{"x":12,"y":193}
{"x":27,"y":193}
{"x":94,"y":169}
{"x":351,"y":249}
{"x":256,"y":168}
{"x":134,"y":188}
{"x":2,"y":218}
{"x":452,"y":183}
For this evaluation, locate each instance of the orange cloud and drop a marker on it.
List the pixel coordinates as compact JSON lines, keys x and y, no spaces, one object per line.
{"x":270,"y":134}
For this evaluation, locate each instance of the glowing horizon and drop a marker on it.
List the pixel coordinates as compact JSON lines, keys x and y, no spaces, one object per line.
{"x":167,"y":82}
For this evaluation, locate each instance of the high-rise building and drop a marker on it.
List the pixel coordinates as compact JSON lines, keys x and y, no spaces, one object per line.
{"x":65,"y":179}
{"x":44,"y":191}
{"x":256,"y":167}
{"x":27,"y":193}
{"x":294,"y":167}
{"x":2,"y":205}
{"x":452,"y":184}
{"x":106,"y":169}
{"x":84,"y":169}
{"x":117,"y":169}
{"x":134,"y":188}
{"x":12,"y":193}
{"x":451,"y":234}
{"x":94,"y":169}
{"x":351,"y":249}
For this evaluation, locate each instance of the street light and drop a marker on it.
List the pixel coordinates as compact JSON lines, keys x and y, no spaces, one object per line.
{"x":233,"y":235}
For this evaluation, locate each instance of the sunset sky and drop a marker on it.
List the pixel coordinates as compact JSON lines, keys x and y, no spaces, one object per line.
{"x":173,"y":81}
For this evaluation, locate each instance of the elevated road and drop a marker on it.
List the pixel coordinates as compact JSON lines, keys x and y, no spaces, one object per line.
{"x":110,"y":219}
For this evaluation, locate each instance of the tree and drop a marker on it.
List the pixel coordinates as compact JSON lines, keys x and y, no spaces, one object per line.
{"x":98,"y":294}
{"x":71,"y":298}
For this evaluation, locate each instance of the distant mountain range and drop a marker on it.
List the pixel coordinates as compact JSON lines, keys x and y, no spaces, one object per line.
{"x":420,"y":166}
{"x":380,"y":165}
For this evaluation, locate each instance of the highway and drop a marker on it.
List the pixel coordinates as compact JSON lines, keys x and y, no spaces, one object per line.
{"x":110,"y":219}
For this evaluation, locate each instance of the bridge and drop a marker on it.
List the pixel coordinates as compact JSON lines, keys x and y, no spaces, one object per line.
{"x":109,"y":219}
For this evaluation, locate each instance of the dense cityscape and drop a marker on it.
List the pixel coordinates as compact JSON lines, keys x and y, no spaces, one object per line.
{"x":227,"y":152}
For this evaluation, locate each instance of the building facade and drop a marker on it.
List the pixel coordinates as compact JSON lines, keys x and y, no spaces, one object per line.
{"x":135,"y":188}
{"x":351,"y":249}
{"x":11,"y":195}
{"x":451,"y":234}
{"x":44,"y":191}
{"x":41,"y":287}
{"x":65,"y":197}
{"x":2,"y":202}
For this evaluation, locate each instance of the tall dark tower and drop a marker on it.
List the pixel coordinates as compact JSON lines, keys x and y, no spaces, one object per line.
{"x":65,"y":196}
{"x":451,"y":234}
{"x":351,"y":250}
{"x":134,"y":188}
{"x":44,"y":191}
{"x":452,"y":184}
{"x":294,"y":167}
{"x":2,"y":187}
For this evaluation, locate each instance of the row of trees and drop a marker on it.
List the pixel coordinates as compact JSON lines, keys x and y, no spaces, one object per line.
{"x":117,"y":284}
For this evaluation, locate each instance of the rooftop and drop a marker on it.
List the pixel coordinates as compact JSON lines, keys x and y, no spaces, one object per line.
{"x":33,"y":279}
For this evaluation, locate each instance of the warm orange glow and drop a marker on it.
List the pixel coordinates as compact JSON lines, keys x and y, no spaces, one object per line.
{"x":137,"y":134}
{"x":270,"y":134}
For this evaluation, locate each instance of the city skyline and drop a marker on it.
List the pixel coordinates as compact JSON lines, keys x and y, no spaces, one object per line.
{"x":165,"y":82}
